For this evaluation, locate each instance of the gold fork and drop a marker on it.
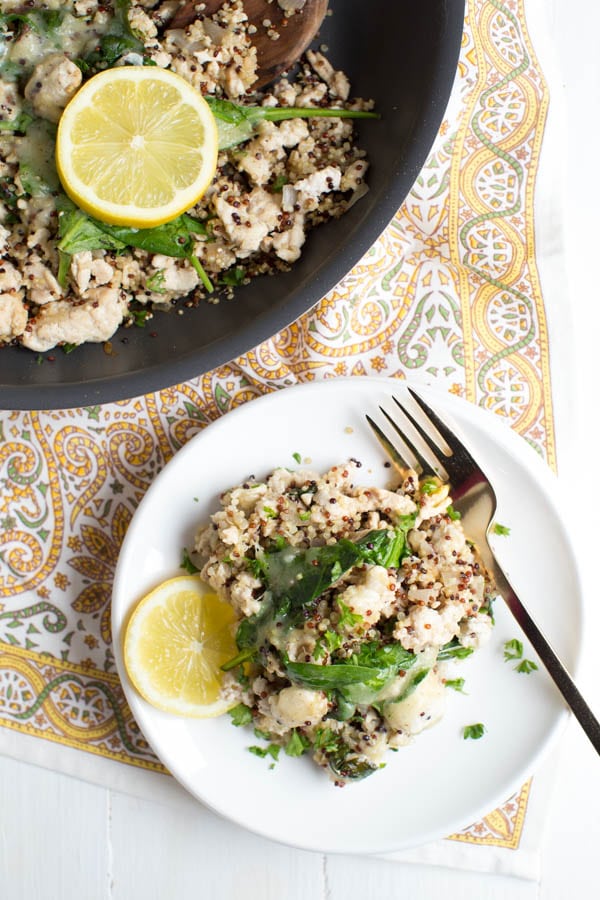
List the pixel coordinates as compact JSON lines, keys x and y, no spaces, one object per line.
{"x":475,"y":498}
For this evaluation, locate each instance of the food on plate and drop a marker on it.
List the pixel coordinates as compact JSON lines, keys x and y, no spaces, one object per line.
{"x":178,"y":637}
{"x":351,"y":603}
{"x":288,"y":161}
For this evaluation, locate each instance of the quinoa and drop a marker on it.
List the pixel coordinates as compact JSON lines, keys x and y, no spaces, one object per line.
{"x":352,"y":602}
{"x":266,"y":196}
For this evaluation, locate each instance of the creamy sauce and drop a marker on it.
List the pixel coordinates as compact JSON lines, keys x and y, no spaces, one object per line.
{"x":76,"y":36}
{"x":36,"y":151}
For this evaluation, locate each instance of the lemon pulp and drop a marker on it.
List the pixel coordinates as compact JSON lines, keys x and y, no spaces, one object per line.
{"x":136,"y":146}
{"x":175,"y":643}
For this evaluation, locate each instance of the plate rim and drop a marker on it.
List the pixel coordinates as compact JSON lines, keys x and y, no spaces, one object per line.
{"x":550,"y":486}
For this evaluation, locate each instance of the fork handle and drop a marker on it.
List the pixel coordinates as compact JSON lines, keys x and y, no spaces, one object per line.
{"x":556,"y":669}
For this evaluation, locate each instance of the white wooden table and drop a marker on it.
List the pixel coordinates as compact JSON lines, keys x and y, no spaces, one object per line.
{"x":62,"y":839}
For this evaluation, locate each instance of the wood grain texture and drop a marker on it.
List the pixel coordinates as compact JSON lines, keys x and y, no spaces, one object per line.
{"x":274,"y":56}
{"x":53,"y":836}
{"x":162,"y":852}
{"x":391,"y":881}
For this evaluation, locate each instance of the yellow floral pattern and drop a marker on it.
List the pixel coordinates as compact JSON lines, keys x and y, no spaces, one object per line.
{"x":449,"y":294}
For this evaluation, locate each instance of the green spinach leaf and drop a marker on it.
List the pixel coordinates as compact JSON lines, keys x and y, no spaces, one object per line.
{"x":78,"y":231}
{"x":237,"y":124}
{"x":118,"y":40}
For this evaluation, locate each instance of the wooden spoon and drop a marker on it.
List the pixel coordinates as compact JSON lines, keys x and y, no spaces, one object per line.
{"x":274,"y":56}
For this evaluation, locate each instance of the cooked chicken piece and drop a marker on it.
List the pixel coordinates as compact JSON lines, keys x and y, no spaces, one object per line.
{"x":53,"y":82}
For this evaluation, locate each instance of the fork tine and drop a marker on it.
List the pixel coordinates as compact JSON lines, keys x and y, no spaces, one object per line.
{"x":424,"y":465}
{"x":455,"y":445}
{"x":389,"y":448}
{"x":427,"y":439}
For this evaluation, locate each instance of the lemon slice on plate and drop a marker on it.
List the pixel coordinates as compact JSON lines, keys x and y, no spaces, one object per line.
{"x":136,"y":146}
{"x":176,"y":640}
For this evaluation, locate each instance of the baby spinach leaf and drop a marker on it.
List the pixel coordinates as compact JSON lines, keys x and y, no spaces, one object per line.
{"x":118,"y":40}
{"x":78,"y":231}
{"x":174,"y":238}
{"x":359,"y":679}
{"x":42,"y":21}
{"x":330,"y":677}
{"x":294,"y":578}
{"x":237,"y":124}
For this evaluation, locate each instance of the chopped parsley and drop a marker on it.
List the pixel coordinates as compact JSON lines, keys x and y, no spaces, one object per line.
{"x":454,"y":650}
{"x":140,"y":316}
{"x":526,"y":666}
{"x":187,"y":564}
{"x":272,"y":750}
{"x":269,"y":512}
{"x":263,"y":735}
{"x":333,"y":640}
{"x":241,"y":714}
{"x":156,"y":282}
{"x":319,"y":650}
{"x":500,"y":529}
{"x":429,"y":485}
{"x":279,"y":183}
{"x":457,"y":684}
{"x":297,"y":744}
{"x":513,"y":650}
{"x":233,"y":277}
{"x":473,"y":732}
{"x":326,"y":740}
{"x":347,"y":619}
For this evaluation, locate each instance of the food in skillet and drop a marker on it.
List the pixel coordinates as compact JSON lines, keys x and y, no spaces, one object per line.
{"x":70,"y":276}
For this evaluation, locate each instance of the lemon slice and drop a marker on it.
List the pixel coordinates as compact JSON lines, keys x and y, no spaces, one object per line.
{"x":176,"y":640}
{"x":137,"y":146}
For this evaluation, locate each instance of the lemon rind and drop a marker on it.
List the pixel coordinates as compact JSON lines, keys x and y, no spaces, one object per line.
{"x":131,"y":215}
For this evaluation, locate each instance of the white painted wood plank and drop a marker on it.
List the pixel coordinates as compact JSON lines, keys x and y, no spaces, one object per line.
{"x":570,"y":847}
{"x":187,"y":851}
{"x":53,"y":838}
{"x":353,"y":877}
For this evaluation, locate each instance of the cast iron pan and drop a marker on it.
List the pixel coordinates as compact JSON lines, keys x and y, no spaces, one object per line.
{"x":404,"y":55}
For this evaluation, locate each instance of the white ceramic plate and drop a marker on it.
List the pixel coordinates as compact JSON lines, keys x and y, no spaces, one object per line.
{"x":442,"y":782}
